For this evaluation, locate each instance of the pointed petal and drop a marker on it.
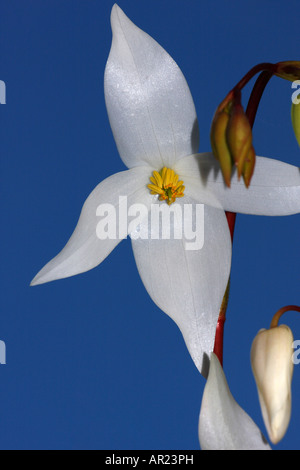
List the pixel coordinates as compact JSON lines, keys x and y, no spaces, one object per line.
{"x":150,"y":108}
{"x":223,"y":424}
{"x":274,"y":188}
{"x":187,"y":280}
{"x":85,"y":249}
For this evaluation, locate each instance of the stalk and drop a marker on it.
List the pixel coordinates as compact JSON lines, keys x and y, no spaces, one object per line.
{"x":267,"y":71}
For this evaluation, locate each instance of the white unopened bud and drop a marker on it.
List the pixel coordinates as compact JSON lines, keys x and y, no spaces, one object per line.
{"x":272,"y":366}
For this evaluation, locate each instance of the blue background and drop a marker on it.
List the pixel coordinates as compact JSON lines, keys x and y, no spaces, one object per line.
{"x":92,"y":363}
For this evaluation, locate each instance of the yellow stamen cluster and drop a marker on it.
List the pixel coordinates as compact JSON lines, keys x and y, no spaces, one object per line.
{"x":166,"y":184}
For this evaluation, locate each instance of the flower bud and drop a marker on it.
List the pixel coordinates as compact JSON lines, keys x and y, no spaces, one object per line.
{"x":239,"y":136}
{"x":231,"y":139}
{"x":219,"y":144}
{"x":296,"y":119}
{"x":249,"y":165}
{"x":289,"y":70}
{"x":272,"y":366}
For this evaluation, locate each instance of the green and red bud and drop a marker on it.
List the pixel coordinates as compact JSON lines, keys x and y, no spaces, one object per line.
{"x":231,"y":140}
{"x":220,"y":146}
{"x":239,"y":137}
{"x":231,"y":130}
{"x":249,"y":165}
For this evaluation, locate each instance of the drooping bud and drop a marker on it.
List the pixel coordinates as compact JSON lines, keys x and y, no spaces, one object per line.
{"x":289,"y":70}
{"x":272,"y":366}
{"x":219,"y":144}
{"x":239,"y":136}
{"x":295,"y":114}
{"x":249,"y":165}
{"x":231,"y":139}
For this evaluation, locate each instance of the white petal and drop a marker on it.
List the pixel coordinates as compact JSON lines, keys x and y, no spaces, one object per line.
{"x":189,"y":284}
{"x":223,"y":424}
{"x":193,"y":170}
{"x":85,"y":250}
{"x":150,"y":108}
{"x":274,"y":189}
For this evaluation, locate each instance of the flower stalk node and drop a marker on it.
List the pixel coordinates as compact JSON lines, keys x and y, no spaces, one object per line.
{"x":288,"y":70}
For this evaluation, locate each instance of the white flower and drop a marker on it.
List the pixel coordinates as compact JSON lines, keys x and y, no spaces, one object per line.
{"x":272,"y":365}
{"x":223,"y":424}
{"x":154,"y":123}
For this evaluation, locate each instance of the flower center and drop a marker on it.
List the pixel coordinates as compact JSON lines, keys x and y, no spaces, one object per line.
{"x":166,"y":184}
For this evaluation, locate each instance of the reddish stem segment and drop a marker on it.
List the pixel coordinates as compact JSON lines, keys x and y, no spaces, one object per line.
{"x":265,"y":66}
{"x":231,"y":217}
{"x":218,"y":348}
{"x":219,"y":338}
{"x":275,"y":319}
{"x":267,"y":70}
{"x":256,"y":95}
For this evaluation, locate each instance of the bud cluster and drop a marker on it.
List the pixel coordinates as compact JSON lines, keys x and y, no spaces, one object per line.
{"x":231,"y":130}
{"x":231,"y":139}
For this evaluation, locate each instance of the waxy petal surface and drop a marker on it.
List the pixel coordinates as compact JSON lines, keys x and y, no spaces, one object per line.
{"x":223,"y":424}
{"x":85,"y":250}
{"x":150,"y":108}
{"x":189,"y":284}
{"x":274,"y":188}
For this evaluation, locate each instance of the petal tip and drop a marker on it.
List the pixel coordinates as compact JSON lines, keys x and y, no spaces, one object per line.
{"x":33,"y":282}
{"x":114,"y":12}
{"x":40,"y":278}
{"x":117,"y":15}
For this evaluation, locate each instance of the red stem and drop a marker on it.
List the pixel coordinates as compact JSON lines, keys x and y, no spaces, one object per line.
{"x":267,"y":70}
{"x":218,"y":348}
{"x":219,"y":338}
{"x":264,"y":66}
{"x":278,"y":315}
{"x":256,"y":95}
{"x":231,"y":218}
